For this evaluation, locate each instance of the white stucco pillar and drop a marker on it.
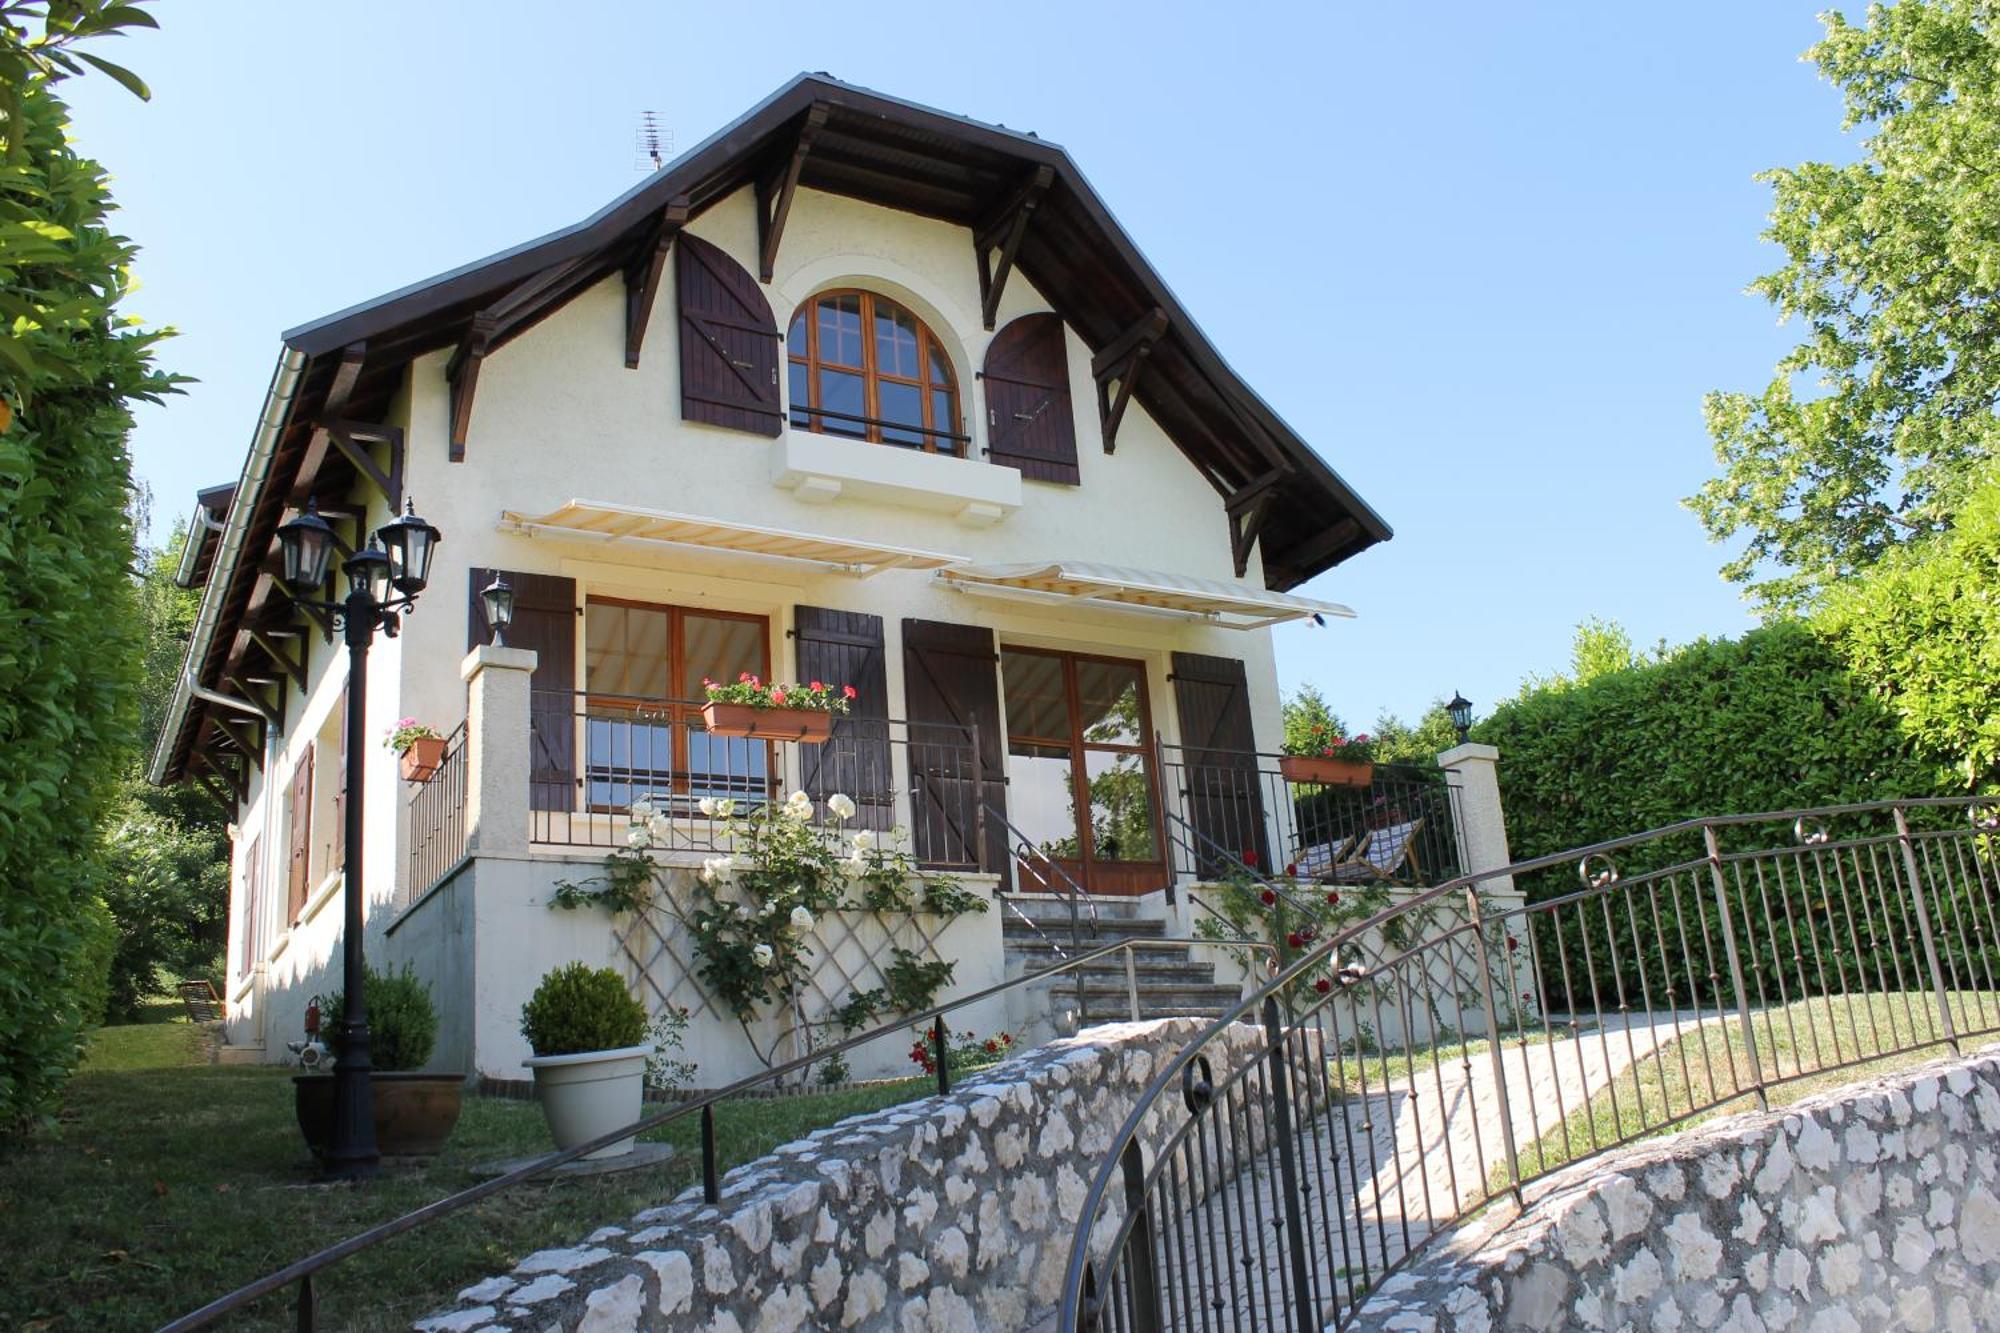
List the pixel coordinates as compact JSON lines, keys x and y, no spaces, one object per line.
{"x":1482,"y":825}
{"x":497,"y":732}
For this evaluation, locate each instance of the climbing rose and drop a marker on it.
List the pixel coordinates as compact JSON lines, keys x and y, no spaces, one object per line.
{"x":1333,"y":900}
{"x":1323,"y":985}
{"x":1249,"y":857}
{"x":1269,"y":897}
{"x":762,"y":955}
{"x":1512,"y":944}
{"x":1295,"y":939}
{"x":802,"y":920}
{"x":863,"y":841}
{"x":642,"y":810}
{"x":838,"y":803}
{"x":1291,"y":869}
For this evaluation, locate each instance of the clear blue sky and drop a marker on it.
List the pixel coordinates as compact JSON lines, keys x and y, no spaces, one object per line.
{"x":1485,"y":258}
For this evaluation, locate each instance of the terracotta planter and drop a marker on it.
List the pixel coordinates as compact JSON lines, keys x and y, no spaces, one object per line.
{"x":808,"y":725}
{"x":423,"y":759}
{"x":1324,"y":772}
{"x":591,"y":1093}
{"x":414,"y":1113}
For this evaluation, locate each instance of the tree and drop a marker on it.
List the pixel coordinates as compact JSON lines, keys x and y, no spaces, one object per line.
{"x":70,"y":368}
{"x":1305,"y":713}
{"x":1871,"y":429}
{"x":166,"y":850}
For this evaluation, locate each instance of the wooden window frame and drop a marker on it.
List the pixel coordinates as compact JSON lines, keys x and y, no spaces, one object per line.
{"x":930,"y":351}
{"x":1079,"y":749}
{"x":679,"y":714}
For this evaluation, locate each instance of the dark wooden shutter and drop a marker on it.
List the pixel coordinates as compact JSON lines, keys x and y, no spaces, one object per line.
{"x":729,"y":341}
{"x":845,"y":648}
{"x":1029,"y":423}
{"x":299,"y":872}
{"x":1219,"y":779}
{"x":545,"y":622}
{"x":951,"y":686}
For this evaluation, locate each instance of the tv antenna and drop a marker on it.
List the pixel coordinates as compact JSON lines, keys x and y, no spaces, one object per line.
{"x":650,"y":143}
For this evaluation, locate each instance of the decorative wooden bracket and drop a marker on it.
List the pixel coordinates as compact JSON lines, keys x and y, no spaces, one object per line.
{"x":1003,"y":231}
{"x":255,"y":698}
{"x":462,"y":373}
{"x":1123,"y":359}
{"x":338,"y":392}
{"x":293,"y":663}
{"x":1247,"y":508}
{"x":352,"y":438}
{"x":223,"y":796}
{"x":642,"y":277}
{"x":775,"y":191}
{"x":249,"y":738}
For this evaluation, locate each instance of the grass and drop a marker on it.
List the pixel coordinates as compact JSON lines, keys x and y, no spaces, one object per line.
{"x":169,"y":1181}
{"x":1377,"y":1069}
{"x":1803,"y":1048}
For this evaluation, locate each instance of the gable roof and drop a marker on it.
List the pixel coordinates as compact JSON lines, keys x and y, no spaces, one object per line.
{"x":864,"y":145}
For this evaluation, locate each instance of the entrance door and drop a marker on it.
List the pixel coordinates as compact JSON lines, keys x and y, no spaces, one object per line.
{"x":1079,"y":766}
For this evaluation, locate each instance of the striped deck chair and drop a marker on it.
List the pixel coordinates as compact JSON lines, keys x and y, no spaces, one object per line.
{"x":1386,"y":855}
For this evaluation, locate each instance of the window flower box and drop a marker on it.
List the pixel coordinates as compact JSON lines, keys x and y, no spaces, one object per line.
{"x":809,"y":725}
{"x":422,"y":759}
{"x":1321,"y":771}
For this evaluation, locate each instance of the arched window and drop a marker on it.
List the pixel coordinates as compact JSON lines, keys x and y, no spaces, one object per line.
{"x":863,"y":366}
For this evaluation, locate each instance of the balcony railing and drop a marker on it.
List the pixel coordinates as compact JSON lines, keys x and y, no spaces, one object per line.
{"x":1399,"y":829}
{"x":593,"y":755}
{"x":437,"y":820}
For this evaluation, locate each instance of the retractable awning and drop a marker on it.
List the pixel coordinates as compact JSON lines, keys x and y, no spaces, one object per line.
{"x":1114,"y":587}
{"x":597,"y":521}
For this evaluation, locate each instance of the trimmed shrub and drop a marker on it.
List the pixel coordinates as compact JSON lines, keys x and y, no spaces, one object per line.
{"x":581,"y":1008}
{"x":402,"y":1022}
{"x":93,"y":971}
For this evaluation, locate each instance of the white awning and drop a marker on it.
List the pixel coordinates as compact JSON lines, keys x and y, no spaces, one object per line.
{"x":1112,"y":587}
{"x":596,"y":521}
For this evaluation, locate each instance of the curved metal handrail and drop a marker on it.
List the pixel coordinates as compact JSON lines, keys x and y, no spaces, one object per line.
{"x":303,"y":1270}
{"x":1301,"y":1294}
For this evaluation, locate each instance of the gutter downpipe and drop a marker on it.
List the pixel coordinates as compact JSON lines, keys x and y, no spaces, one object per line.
{"x":249,"y":491}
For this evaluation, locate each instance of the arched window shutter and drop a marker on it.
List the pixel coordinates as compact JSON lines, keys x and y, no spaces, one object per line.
{"x":729,"y":342}
{"x":1029,"y":424}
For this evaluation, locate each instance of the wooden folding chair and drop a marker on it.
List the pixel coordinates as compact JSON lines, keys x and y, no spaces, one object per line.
{"x":203,"y":1004}
{"x":1386,"y":855}
{"x":1320,"y":860}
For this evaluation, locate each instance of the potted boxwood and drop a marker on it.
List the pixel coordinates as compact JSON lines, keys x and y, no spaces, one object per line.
{"x":414,"y":1112}
{"x":776,"y":711}
{"x":419,"y":747}
{"x":589,"y":1039}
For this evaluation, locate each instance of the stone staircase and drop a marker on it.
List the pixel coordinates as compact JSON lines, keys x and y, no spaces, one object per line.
{"x":1171,"y":983}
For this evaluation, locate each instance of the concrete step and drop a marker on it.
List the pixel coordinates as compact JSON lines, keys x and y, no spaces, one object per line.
{"x":1039,"y":953}
{"x":1104,"y":997}
{"x":1105,"y":928}
{"x":1150,"y":976}
{"x":1055,"y":907}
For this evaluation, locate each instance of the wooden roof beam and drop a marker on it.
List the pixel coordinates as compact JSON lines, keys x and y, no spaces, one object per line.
{"x":1004,"y":231}
{"x":1328,"y":541}
{"x":462,"y":374}
{"x":1124,"y":359}
{"x":643,"y":275}
{"x":352,"y":439}
{"x":776,"y":191}
{"x":1247,"y":508}
{"x":345,"y":375}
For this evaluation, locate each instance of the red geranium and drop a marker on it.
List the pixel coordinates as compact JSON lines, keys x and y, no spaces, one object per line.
{"x":849,"y":691}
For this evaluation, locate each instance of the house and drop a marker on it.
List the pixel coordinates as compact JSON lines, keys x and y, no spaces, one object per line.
{"x":855,"y":390}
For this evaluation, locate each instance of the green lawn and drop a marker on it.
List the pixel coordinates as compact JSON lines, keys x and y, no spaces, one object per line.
{"x":169,"y":1181}
{"x":1811,"y":1044}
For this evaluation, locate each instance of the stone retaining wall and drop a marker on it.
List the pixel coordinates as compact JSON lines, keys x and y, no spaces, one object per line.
{"x":1873,"y":1207}
{"x":949,"y":1213}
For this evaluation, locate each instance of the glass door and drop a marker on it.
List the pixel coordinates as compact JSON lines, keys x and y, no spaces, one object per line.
{"x":1079,"y":766}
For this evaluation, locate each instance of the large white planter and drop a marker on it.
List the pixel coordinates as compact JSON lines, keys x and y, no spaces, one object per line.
{"x":591,"y":1093}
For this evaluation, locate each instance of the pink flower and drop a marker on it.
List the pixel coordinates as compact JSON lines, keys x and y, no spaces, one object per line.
{"x":745,"y":679}
{"x":849,"y":691}
{"x":817,"y":686}
{"x":777,"y":696}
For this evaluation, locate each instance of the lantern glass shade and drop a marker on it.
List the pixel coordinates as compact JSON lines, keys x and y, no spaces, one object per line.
{"x":307,"y":545}
{"x":410,"y":543}
{"x":1460,"y":709}
{"x":369,"y":569}
{"x":498,"y":598}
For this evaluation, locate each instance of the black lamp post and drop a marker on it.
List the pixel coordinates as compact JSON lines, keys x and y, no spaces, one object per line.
{"x":1460,"y":709}
{"x":397,"y":557}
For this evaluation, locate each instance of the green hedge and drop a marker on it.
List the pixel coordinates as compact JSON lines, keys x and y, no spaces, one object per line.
{"x":69,"y":369}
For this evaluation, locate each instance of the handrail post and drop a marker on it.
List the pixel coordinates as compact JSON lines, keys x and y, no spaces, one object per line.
{"x":1714,"y":846}
{"x":1132,"y":980}
{"x":1949,"y":1029}
{"x":1142,"y":1275}
{"x":1288,"y":1163}
{"x":711,"y":1179}
{"x":1159,"y":780}
{"x":308,"y":1311}
{"x":1478,"y":917}
{"x":943,"y":1057}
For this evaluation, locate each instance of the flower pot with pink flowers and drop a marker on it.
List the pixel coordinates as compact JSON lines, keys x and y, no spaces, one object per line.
{"x":420,"y":748}
{"x":776,"y":711}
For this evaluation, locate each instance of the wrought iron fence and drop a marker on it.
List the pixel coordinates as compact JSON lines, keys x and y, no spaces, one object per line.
{"x":1454,"y":1049}
{"x":1398,"y":828}
{"x":437,"y":820}
{"x":591,"y":756}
